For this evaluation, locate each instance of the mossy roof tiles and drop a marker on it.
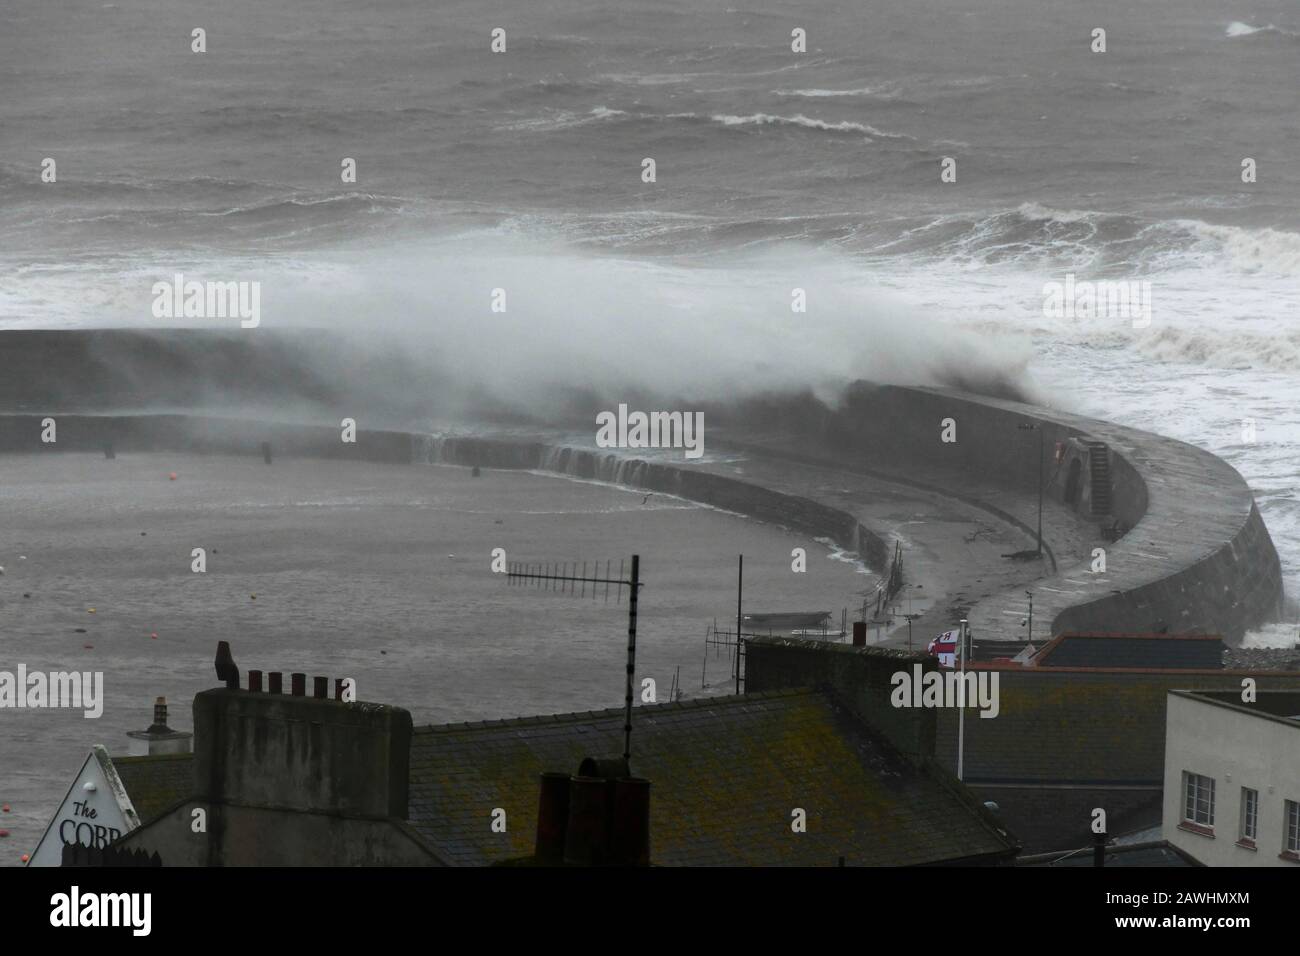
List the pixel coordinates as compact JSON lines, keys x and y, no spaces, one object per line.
{"x":726,"y":774}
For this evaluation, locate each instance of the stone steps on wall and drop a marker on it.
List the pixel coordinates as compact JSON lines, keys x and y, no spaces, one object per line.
{"x":1099,"y":467}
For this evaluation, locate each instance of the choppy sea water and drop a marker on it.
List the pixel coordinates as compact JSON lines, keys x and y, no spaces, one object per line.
{"x":775,"y":171}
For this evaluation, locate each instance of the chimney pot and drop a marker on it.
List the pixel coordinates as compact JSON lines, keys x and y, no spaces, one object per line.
{"x":585,"y":836}
{"x":255,"y":681}
{"x":859,"y":633}
{"x":629,"y":839}
{"x":338,"y":688}
{"x":298,"y":685}
{"x":160,"y":711}
{"x":320,"y":688}
{"x":275,"y":683}
{"x":552,"y":817}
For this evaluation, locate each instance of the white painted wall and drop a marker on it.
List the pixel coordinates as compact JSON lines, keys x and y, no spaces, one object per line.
{"x":1238,"y":750}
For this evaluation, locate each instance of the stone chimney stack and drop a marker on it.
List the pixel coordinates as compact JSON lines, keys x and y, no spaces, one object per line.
{"x":159,"y":738}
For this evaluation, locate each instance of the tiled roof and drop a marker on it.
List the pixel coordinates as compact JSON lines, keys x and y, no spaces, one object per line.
{"x":1175,"y":651}
{"x":725,"y":773}
{"x":155,"y":783}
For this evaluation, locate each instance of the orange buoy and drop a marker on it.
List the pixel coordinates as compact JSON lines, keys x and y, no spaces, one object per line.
{"x":154,"y":636}
{"x":25,"y":858}
{"x":5,"y":808}
{"x":172,"y":476}
{"x":4,"y":833}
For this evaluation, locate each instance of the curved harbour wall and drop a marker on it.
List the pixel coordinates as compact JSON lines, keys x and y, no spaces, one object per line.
{"x":1192,"y":553}
{"x":201,"y":434}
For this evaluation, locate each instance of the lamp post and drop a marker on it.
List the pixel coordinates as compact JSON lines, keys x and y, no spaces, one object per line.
{"x":1032,"y":426}
{"x":1030,"y":632}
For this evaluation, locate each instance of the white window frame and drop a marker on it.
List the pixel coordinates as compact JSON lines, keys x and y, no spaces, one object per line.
{"x":1249,"y":814}
{"x":1198,"y":799}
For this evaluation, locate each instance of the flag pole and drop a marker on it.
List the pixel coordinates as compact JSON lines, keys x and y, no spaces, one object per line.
{"x":961,"y":711}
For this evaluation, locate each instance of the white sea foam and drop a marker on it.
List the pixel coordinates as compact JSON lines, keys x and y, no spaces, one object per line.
{"x":1038,"y":212}
{"x":1252,"y":250}
{"x":1282,"y":634}
{"x":769,"y":119}
{"x":561,"y":119}
{"x":836,"y":553}
{"x":1238,"y":29}
{"x":883,"y":92}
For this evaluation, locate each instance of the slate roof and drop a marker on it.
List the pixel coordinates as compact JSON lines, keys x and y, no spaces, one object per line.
{"x":1071,"y":727}
{"x":725,"y":772}
{"x":1174,"y":651}
{"x":157,"y":782}
{"x":1156,"y":853}
{"x":1046,"y":817}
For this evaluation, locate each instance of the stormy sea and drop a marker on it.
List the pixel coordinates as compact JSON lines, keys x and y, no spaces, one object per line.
{"x":774,"y":170}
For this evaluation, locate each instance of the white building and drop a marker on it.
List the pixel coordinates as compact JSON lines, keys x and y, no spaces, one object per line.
{"x":1232,"y":777}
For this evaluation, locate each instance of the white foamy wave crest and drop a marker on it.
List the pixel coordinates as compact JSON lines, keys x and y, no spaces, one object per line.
{"x":1222,"y":348}
{"x":768,"y":119}
{"x":1263,"y":251}
{"x":1281,"y":634}
{"x":1238,"y":29}
{"x":878,"y":91}
{"x":1252,"y":250}
{"x":836,"y":553}
{"x":1037,"y":212}
{"x":563,"y":119}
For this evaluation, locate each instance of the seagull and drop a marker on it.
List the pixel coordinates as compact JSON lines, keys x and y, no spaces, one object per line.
{"x":647,"y":497}
{"x":225,"y":663}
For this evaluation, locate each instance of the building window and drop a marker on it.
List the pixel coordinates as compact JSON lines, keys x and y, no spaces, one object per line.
{"x":1198,"y":800}
{"x":1291,"y":840}
{"x":1249,"y":816}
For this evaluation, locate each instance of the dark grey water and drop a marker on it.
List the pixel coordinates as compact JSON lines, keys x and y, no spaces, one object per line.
{"x":379,"y":573}
{"x":238,"y":149}
{"x":775,"y":171}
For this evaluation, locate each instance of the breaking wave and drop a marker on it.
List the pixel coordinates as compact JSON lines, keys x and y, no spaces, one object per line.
{"x":1238,"y":29}
{"x":768,"y":119}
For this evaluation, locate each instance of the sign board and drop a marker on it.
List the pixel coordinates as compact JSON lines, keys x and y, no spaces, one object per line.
{"x":95,"y":812}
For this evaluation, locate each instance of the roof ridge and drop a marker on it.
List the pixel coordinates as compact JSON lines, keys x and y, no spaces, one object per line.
{"x":730,"y":700}
{"x":143,"y":758}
